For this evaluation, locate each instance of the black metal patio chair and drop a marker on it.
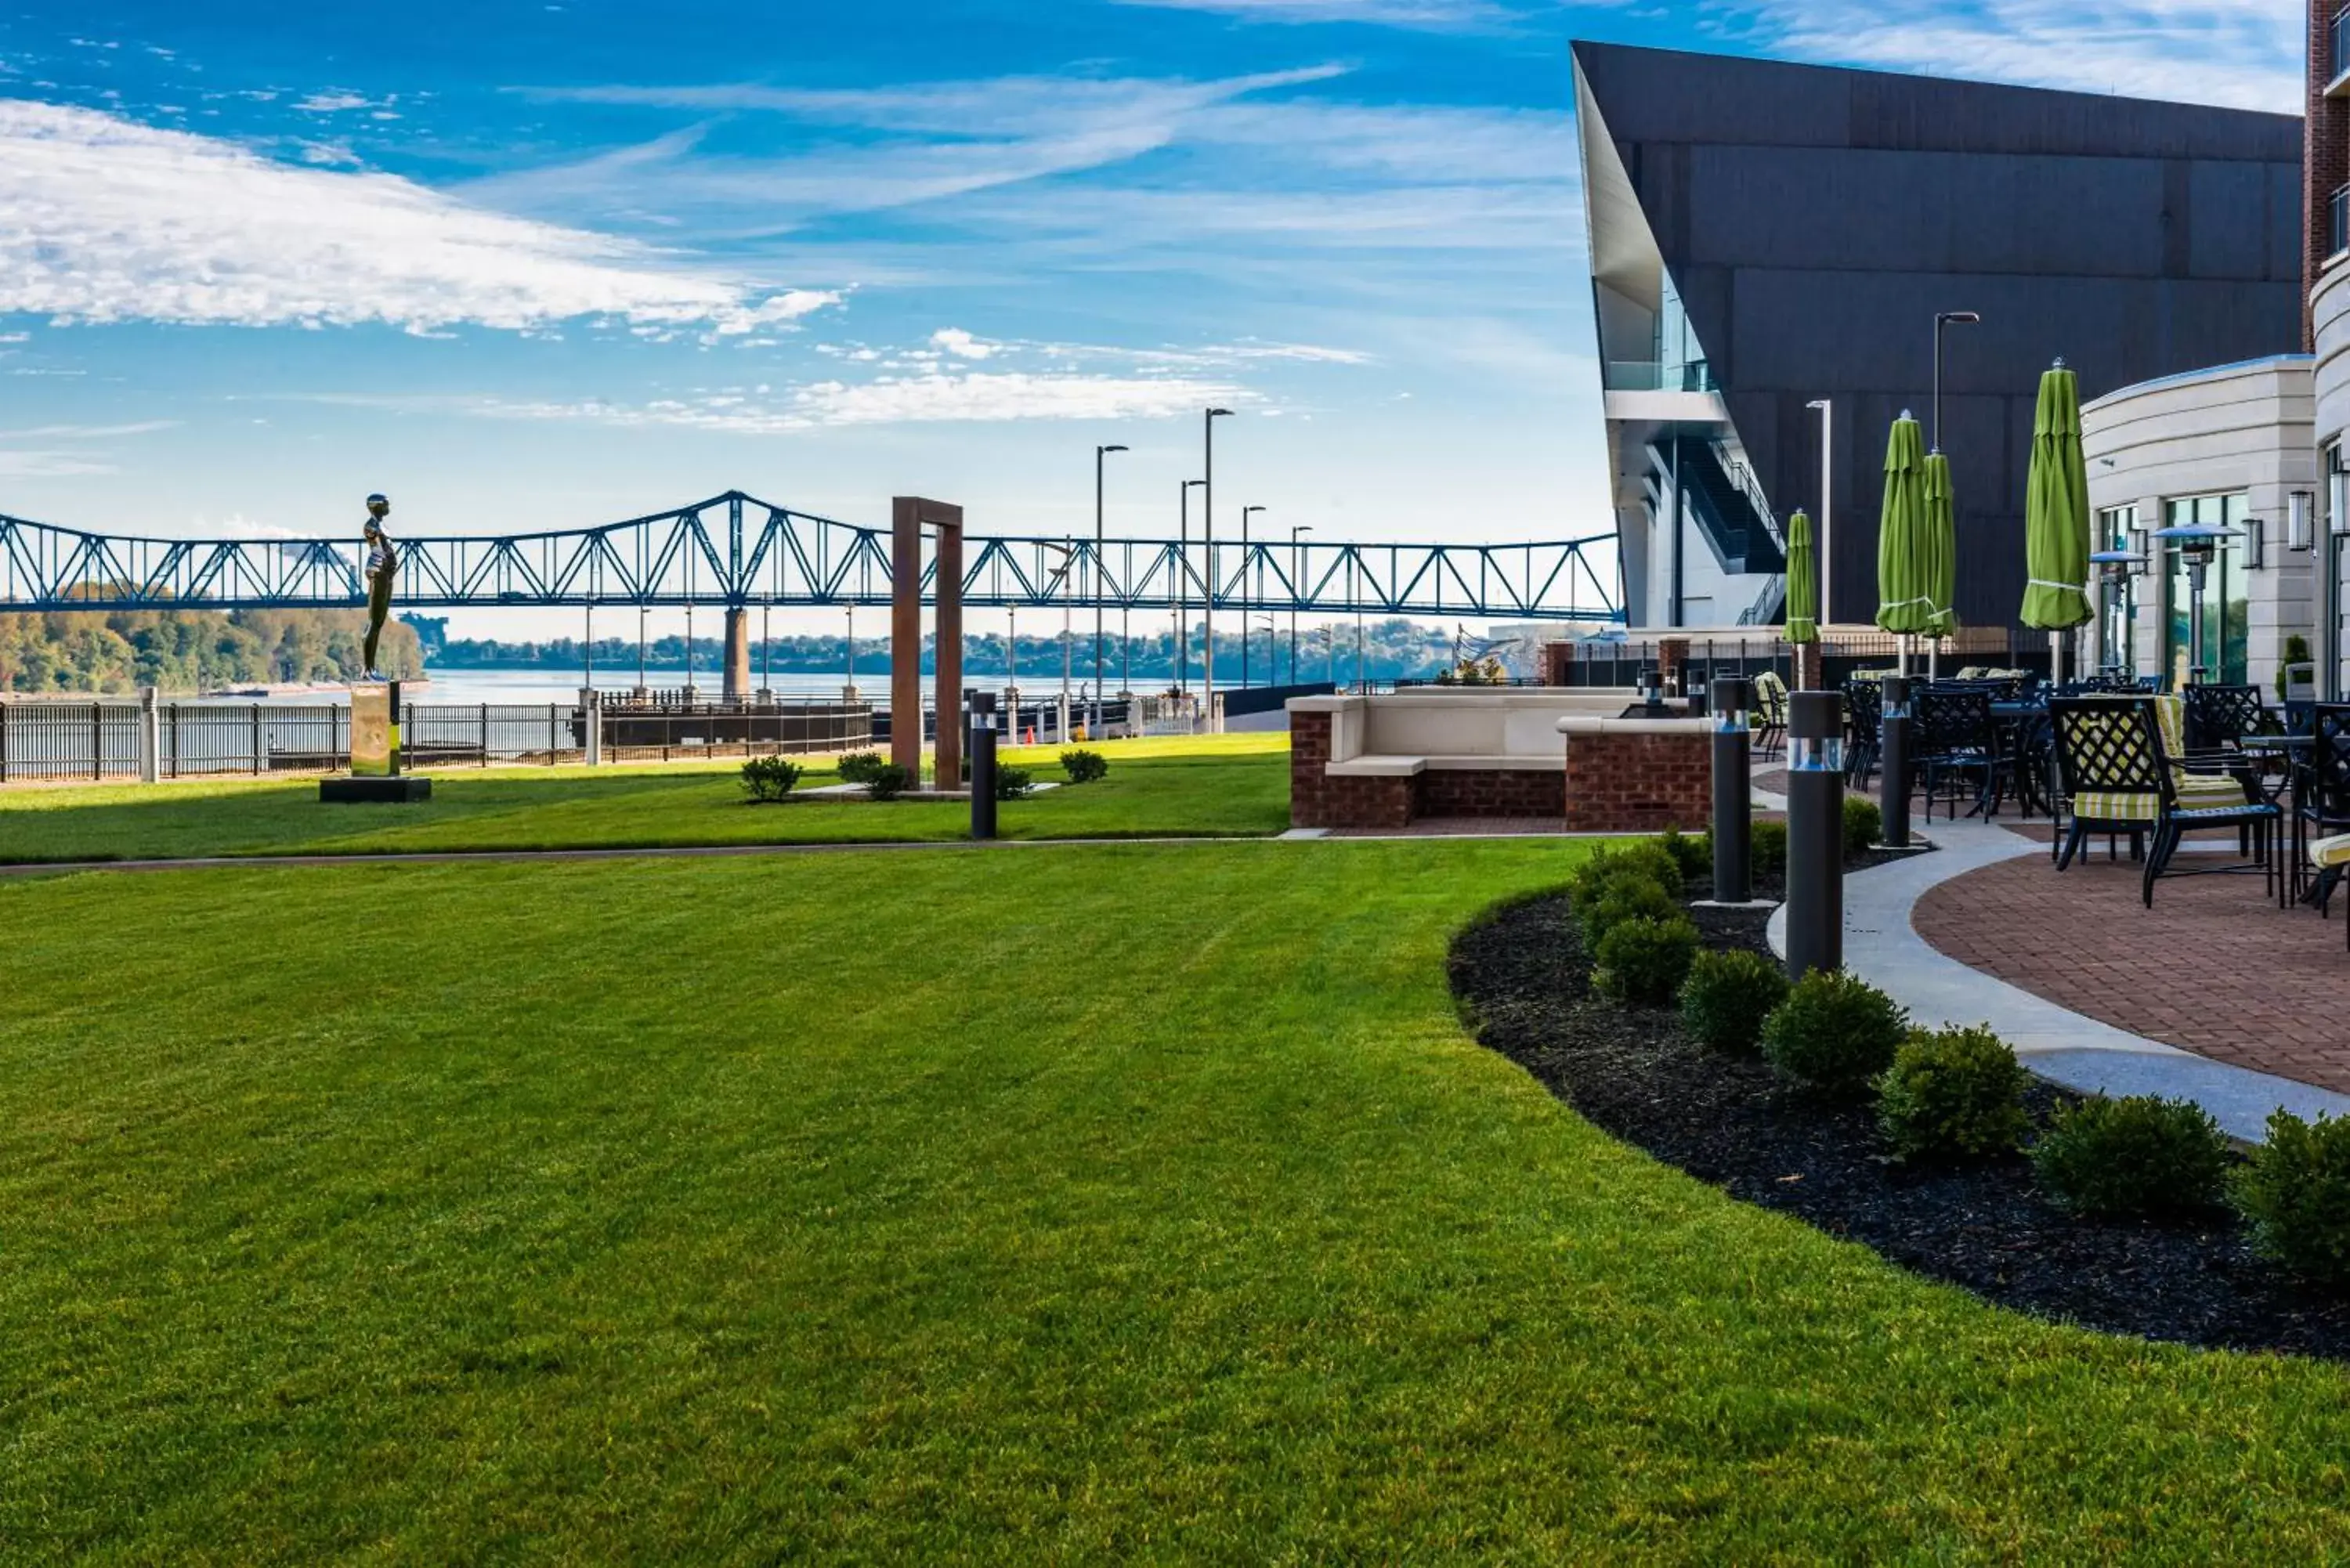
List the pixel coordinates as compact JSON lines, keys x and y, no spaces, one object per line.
{"x":1863,"y":708}
{"x":1958,"y":740}
{"x":2116,"y":777}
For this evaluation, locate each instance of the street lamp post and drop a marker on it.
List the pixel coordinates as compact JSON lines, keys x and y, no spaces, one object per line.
{"x":1248,"y":600}
{"x":1945,"y":318}
{"x":1826,"y":406}
{"x":1208,"y":540}
{"x":1099,"y":453}
{"x":1297,"y":590}
{"x":1183,"y":583}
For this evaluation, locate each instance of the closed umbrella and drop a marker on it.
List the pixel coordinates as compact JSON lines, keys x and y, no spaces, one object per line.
{"x":2056,"y":517}
{"x":1941,"y":554}
{"x":1904,"y":603}
{"x":1803,"y":582}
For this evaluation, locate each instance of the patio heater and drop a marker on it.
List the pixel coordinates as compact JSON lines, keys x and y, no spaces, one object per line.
{"x":2114,"y":569}
{"x":2198,"y":546}
{"x":1733,"y":793}
{"x":1893,"y":747}
{"x":1815,"y":832}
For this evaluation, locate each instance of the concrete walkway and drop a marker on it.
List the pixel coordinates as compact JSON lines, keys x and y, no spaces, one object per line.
{"x":1881,"y":947}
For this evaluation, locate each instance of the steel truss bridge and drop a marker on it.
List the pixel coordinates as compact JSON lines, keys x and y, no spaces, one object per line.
{"x":736,"y":552}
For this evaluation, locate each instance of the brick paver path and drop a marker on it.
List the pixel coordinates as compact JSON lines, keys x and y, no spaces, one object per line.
{"x":2213,"y":968}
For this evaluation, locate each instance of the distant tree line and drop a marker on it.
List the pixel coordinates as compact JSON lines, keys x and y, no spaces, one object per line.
{"x":189,"y":650}
{"x":1394,"y":648}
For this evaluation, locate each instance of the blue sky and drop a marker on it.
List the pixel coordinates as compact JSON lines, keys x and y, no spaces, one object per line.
{"x":543,"y":264}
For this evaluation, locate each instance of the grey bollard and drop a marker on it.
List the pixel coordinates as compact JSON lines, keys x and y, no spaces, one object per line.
{"x":1894,"y":757}
{"x":150,"y":738}
{"x":1733,"y":793}
{"x":982,"y":764}
{"x":1814,"y":833}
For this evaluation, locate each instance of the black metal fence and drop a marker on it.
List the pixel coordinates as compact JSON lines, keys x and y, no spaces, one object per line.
{"x":102,"y":740}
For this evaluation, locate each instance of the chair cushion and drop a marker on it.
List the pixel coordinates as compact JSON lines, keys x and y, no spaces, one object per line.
{"x":2330,"y":852}
{"x":2099,"y":807}
{"x":2208,"y":790}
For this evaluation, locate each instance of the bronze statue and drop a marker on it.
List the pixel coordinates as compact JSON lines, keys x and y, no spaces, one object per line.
{"x":382,"y":568}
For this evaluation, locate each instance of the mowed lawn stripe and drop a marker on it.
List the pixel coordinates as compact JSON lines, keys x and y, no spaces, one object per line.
{"x":1130,"y":1202}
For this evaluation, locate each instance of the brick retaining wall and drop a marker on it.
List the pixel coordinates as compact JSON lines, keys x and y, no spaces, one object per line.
{"x":1638,"y":783}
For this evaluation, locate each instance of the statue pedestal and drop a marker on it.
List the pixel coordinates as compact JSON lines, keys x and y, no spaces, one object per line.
{"x":396,"y":789}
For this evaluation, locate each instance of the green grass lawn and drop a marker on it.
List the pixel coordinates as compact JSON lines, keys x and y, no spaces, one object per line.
{"x":1218,"y":785}
{"x":1107,"y":1203}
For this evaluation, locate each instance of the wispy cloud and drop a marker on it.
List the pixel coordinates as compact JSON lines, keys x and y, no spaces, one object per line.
{"x":105,"y":220}
{"x":2243,"y":54}
{"x":1447,"y":15}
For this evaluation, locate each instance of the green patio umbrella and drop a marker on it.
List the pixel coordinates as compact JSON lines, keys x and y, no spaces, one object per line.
{"x":1803,"y":582}
{"x":1940,"y":551}
{"x":2056,"y":517}
{"x":1905,"y":601}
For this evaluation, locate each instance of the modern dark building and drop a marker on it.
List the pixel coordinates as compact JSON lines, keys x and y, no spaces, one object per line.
{"x":1766,"y":237}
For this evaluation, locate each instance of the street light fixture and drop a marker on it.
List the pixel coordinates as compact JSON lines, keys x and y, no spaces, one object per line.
{"x":2115,"y":568}
{"x":1183,"y":582}
{"x":1296,"y":592}
{"x":1208,"y":539}
{"x":1099,"y":453}
{"x":1248,"y":600}
{"x":1827,"y":410}
{"x":1946,"y":318}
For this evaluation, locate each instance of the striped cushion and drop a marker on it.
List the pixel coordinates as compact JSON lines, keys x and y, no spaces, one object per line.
{"x":2208,"y":790}
{"x":2100,"y":807}
{"x":2327,"y":853}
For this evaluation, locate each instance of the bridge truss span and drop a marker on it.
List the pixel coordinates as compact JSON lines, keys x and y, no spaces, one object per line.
{"x":735,"y":551}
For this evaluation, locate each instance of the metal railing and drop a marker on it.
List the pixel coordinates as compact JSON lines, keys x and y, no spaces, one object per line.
{"x":58,"y":741}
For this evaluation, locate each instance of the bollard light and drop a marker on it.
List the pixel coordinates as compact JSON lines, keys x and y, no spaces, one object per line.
{"x":1733,"y":794}
{"x":982,"y":764}
{"x":1894,"y":750}
{"x":1815,"y":832}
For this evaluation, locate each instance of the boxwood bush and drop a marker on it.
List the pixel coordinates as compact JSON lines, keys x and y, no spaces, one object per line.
{"x":1626,"y":898}
{"x":1644,"y":859}
{"x":2295,"y":1191}
{"x":1863,"y":825}
{"x":1951,"y":1094}
{"x":858,"y":767}
{"x":2139,"y":1156}
{"x":1766,"y":848}
{"x":770,"y":778}
{"x":888,"y":781}
{"x":1728,"y":995}
{"x":1834,"y":1033}
{"x":1644,"y":960}
{"x":1084,"y":766}
{"x":1692,"y":853}
{"x":1012,"y":783}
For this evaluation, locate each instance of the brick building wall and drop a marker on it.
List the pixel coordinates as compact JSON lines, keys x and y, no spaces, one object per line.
{"x":2325,"y":157}
{"x":1638,"y":783}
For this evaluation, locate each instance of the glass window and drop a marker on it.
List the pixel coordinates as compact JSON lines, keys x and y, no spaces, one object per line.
{"x":2227,"y":617}
{"x":2117,"y":609}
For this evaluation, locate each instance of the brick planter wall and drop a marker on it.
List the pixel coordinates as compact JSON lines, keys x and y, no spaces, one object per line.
{"x":1317,"y":800}
{"x":1498,"y":792}
{"x":1638,"y":783}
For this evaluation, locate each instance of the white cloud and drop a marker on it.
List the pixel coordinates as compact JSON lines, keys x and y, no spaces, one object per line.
{"x":1428,"y":13}
{"x":929,"y":397}
{"x":961,"y":344}
{"x":333,"y":102}
{"x":2243,"y":54}
{"x":105,"y":220}
{"x":50,"y":465}
{"x":86,"y":432}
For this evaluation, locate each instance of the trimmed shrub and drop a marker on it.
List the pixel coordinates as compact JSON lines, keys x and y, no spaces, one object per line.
{"x":1692,"y":853}
{"x":858,"y":767}
{"x":1626,"y":898}
{"x":2139,"y":1156}
{"x":1644,"y":960}
{"x":1951,"y":1094}
{"x":1863,"y":825}
{"x":1834,"y":1033}
{"x":2295,"y":1191}
{"x":1012,"y":783}
{"x":770,"y":778}
{"x":1766,"y":848}
{"x":1083,"y":766}
{"x":890,"y":781}
{"x":1644,"y":858}
{"x":1728,"y":995}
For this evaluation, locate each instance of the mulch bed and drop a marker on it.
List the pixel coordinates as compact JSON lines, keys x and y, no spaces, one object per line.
{"x":1524,"y":979}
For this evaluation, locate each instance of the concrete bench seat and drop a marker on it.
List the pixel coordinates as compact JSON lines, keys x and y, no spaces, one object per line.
{"x":1388,"y":766}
